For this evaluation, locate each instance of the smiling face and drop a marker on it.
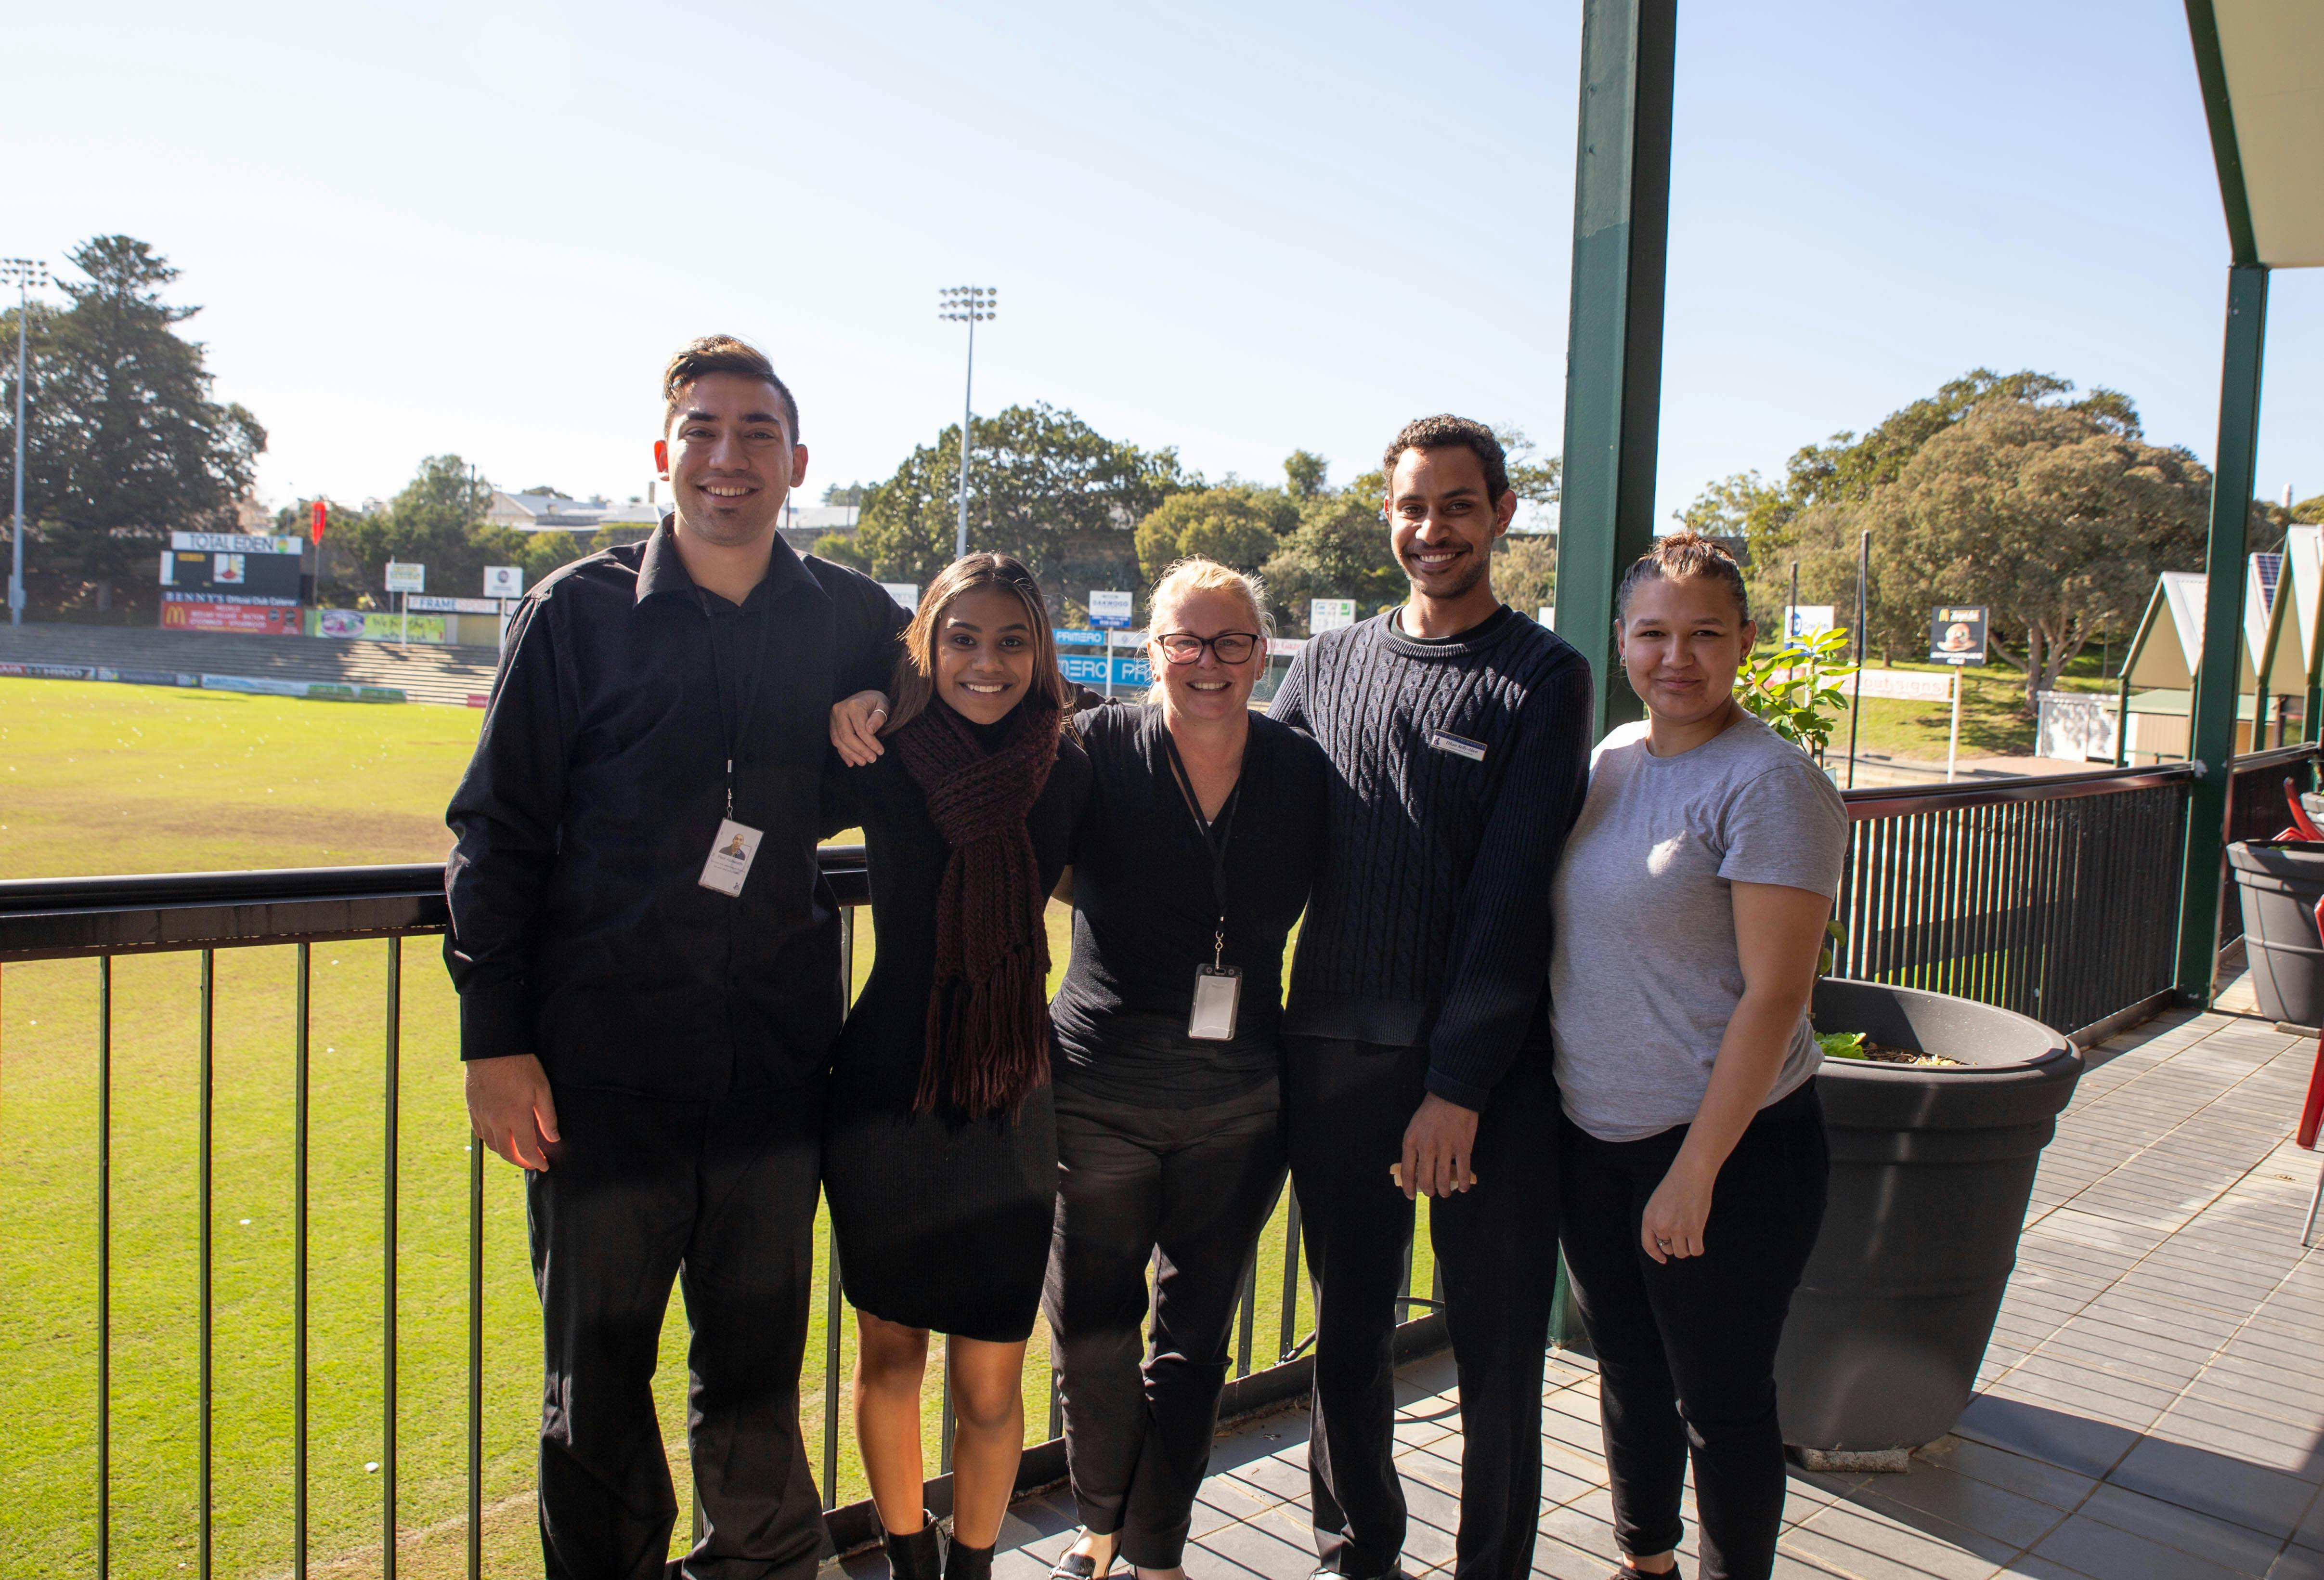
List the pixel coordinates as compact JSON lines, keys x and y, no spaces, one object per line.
{"x":985,"y":654}
{"x":729,"y":458}
{"x":1206,"y":688}
{"x":1681,"y":643}
{"x":1442,"y":521}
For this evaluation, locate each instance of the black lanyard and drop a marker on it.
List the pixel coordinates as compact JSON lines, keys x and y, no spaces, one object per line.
{"x":750,"y":696}
{"x":1216,"y":843}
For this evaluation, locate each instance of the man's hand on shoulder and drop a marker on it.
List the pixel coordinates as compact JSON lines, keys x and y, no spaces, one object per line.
{"x":511,"y":1109}
{"x":1438,"y":1146}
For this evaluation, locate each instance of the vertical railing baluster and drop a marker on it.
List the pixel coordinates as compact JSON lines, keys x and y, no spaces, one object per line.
{"x":832,"y":1316}
{"x":394,"y":1099}
{"x":475,"y":1358}
{"x":1290,"y":1280}
{"x":832,"y":1313}
{"x":103,"y":1266}
{"x":202,"y":1195}
{"x":943,"y":1454}
{"x":1250,"y":1318}
{"x":299,"y":1267}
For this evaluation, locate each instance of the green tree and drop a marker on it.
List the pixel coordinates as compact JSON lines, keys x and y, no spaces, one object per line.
{"x":2058,"y":517}
{"x":1229,"y":525}
{"x":123,"y":443}
{"x":1043,"y":485}
{"x":1304,"y":473}
{"x":1340,"y":550}
{"x":1525,"y":570}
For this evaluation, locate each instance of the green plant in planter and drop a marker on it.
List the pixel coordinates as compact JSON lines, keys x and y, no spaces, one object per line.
{"x":1795,"y":690}
{"x":1840,"y":1044}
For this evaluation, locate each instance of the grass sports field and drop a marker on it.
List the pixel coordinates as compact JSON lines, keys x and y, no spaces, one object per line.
{"x":120,"y":779}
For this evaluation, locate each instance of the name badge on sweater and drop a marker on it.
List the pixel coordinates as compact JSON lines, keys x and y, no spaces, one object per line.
{"x":1459,"y":746}
{"x":731,"y":855}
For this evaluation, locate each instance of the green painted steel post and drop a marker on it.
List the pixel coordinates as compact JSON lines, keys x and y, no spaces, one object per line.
{"x":1614,"y":341}
{"x":2212,"y":728}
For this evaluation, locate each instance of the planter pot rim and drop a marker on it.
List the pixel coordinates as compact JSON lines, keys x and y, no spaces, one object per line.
{"x":2022,"y":1028}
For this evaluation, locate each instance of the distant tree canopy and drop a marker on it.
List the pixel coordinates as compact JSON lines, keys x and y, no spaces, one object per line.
{"x":124,"y":444}
{"x":2057,"y":515}
{"x":1043,"y":485}
{"x":437,"y":520}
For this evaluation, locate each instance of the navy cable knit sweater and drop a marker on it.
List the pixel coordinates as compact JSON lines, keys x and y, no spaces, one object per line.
{"x":1458,"y":767}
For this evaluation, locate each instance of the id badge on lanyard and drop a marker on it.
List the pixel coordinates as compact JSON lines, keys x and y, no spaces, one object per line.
{"x":736,"y":846}
{"x":1218,"y":986}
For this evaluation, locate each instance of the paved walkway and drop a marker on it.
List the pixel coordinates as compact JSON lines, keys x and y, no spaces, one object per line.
{"x":2151,"y":1406}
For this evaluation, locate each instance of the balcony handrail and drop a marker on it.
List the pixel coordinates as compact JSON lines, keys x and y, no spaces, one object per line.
{"x":1899,"y":801}
{"x":49,"y":919}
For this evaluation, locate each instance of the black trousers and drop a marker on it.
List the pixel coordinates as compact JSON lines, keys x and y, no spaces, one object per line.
{"x":1188,"y":1191}
{"x":720,"y":1195}
{"x":1348,"y":1104}
{"x":1686,"y":1348}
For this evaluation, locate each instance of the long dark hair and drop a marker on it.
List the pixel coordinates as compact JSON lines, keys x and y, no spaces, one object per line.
{"x":916,"y":668}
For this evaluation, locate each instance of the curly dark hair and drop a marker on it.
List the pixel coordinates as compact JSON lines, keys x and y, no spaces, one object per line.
{"x":1678,"y":557}
{"x":720,"y":354}
{"x":1445,"y":431}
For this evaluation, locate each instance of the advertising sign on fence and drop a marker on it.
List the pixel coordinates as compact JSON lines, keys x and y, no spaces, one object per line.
{"x":1072,"y":637}
{"x":248,"y":619}
{"x":377,"y":626}
{"x":1803,"y":621}
{"x":1089,"y":669}
{"x":1957,"y":634}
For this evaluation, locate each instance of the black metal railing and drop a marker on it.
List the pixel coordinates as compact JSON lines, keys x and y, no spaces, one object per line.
{"x":2055,"y":897}
{"x":107,"y":920}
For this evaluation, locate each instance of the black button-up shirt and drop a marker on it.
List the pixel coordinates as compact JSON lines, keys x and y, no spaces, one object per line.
{"x":580,"y":930}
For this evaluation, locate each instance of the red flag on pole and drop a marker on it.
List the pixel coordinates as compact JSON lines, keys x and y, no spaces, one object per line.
{"x":322,"y":518}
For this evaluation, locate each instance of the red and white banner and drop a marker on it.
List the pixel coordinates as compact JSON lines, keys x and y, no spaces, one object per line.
{"x":258,"y":619}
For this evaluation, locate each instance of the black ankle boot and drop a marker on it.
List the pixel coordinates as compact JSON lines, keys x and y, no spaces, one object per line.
{"x":919,"y":1555}
{"x":967,"y":1562}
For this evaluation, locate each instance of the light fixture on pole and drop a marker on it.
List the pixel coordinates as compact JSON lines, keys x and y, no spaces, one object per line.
{"x":27,"y":275}
{"x":966,"y":304}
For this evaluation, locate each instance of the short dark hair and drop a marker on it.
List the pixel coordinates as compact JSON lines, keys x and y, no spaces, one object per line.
{"x":1680,"y":556}
{"x":1445,"y":431}
{"x":720,"y":354}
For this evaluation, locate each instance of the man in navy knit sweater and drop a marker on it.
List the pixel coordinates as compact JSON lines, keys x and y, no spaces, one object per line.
{"x":1417,"y":1028}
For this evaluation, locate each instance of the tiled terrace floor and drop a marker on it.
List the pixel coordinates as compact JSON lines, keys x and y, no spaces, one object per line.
{"x":2151,"y":1406}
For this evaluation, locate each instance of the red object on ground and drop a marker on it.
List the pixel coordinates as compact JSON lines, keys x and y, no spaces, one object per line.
{"x":322,"y":518}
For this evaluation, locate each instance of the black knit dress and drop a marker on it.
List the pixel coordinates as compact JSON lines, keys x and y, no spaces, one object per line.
{"x":941,"y":1222}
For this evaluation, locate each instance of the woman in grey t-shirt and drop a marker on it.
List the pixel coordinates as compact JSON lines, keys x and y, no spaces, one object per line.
{"x":1690,"y":911}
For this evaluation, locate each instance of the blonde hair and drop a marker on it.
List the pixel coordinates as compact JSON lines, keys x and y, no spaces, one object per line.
{"x":1196,"y":574}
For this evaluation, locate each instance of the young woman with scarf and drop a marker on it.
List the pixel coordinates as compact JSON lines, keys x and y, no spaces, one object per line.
{"x":940,"y":1153}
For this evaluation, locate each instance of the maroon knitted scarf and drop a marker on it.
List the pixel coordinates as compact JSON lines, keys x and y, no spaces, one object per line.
{"x":988,"y":1028}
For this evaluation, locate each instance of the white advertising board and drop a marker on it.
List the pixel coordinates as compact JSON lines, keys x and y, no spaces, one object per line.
{"x":406,"y":576}
{"x":1329,"y":615}
{"x":503,"y":581}
{"x":1803,"y":621}
{"x":1111,"y":610}
{"x":907,"y":593}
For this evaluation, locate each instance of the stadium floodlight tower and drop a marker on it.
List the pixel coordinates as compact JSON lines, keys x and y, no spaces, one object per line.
{"x":27,"y":275}
{"x":966,"y":304}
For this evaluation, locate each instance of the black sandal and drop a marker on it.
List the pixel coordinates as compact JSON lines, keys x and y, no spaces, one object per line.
{"x":1075,"y":1566}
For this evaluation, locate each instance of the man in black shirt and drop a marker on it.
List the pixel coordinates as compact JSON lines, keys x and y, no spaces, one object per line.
{"x":1416,"y":1033}
{"x":648,"y":966}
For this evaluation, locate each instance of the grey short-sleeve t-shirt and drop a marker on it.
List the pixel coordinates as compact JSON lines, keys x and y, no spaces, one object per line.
{"x":1644,"y":975}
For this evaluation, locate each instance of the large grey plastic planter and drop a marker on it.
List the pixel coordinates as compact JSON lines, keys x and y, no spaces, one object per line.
{"x":1931,"y":1168}
{"x":2279,"y":882}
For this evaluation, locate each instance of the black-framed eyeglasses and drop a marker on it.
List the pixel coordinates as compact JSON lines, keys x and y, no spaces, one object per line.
{"x":1233,"y":647}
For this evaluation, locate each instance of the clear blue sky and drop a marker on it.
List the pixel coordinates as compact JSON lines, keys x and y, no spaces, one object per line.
{"x":1233,"y":228}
